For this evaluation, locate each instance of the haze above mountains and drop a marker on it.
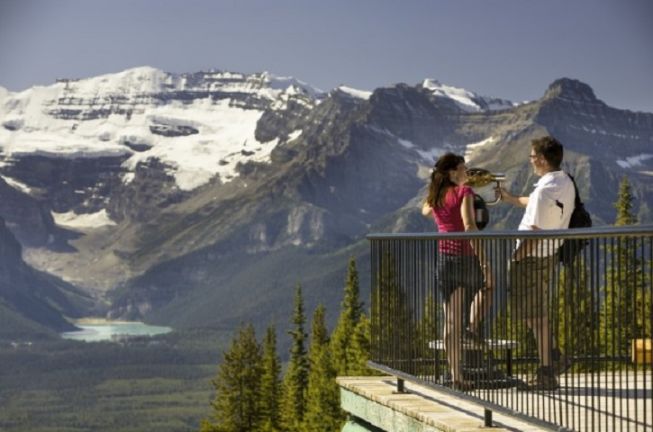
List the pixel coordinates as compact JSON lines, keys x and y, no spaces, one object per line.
{"x":201,"y":199}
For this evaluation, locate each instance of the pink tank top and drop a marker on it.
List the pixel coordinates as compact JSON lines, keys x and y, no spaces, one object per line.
{"x":448,"y":218}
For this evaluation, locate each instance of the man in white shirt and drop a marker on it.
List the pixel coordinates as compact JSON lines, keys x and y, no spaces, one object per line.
{"x":549,"y":206}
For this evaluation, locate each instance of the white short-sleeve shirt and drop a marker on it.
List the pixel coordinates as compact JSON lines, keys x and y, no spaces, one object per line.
{"x":549,"y":207}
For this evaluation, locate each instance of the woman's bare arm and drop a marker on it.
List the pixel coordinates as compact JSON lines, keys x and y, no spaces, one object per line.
{"x":467,"y":213}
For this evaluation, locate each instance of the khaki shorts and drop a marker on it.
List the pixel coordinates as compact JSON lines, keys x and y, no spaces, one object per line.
{"x":529,"y":287}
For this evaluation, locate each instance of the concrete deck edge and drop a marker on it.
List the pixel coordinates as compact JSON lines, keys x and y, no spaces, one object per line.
{"x":374,"y":400}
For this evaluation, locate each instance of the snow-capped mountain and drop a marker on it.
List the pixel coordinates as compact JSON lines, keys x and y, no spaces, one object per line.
{"x":199,"y":125}
{"x":465,"y":99}
{"x":186,"y":194}
{"x":93,"y":137}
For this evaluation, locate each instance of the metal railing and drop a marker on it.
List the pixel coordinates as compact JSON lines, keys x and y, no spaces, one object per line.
{"x":589,"y":369}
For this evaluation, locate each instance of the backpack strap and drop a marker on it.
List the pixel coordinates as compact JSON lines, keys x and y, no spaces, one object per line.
{"x":577,"y":202}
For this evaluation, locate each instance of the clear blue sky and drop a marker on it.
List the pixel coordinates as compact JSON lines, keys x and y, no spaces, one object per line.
{"x":504,"y":48}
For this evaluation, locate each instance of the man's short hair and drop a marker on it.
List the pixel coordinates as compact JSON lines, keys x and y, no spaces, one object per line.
{"x":550,"y":148}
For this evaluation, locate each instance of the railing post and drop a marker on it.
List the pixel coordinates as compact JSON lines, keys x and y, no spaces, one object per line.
{"x":488,"y":418}
{"x":400,"y":386}
{"x":509,"y":362}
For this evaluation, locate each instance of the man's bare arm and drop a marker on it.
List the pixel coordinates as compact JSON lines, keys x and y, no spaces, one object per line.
{"x":519,"y":201}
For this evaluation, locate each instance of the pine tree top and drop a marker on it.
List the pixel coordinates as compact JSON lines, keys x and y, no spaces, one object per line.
{"x":352,"y":307}
{"x":319,"y":333}
{"x":624,"y":204}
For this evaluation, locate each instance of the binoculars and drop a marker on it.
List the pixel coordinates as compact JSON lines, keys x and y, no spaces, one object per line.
{"x":479,"y":177}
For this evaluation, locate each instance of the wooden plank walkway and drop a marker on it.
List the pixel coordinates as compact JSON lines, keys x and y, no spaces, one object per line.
{"x":604,"y":401}
{"x":421,"y":409}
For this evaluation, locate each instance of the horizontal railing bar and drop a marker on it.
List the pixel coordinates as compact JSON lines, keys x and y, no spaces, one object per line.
{"x":584,"y":233}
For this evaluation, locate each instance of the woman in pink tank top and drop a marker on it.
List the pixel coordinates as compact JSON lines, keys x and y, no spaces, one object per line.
{"x":462,"y":281}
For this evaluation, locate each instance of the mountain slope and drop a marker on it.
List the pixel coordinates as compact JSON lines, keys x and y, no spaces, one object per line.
{"x":373,"y":157}
{"x":33,"y":304}
{"x":200,"y":199}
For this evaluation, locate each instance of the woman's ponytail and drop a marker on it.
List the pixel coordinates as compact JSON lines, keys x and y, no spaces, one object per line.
{"x":440,"y":181}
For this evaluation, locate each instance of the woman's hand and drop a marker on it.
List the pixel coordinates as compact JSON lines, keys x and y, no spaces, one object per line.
{"x":426,"y":209}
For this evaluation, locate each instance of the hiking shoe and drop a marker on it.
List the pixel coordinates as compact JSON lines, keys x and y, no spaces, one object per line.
{"x":560,"y":362}
{"x":545,"y":379}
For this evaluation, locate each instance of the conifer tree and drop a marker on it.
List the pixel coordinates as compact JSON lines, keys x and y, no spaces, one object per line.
{"x":428,"y":325}
{"x":577,"y":314}
{"x":359,"y":350}
{"x":626,"y":310}
{"x":391,"y":324}
{"x":270,"y":384}
{"x":624,"y":204}
{"x":323,"y":412}
{"x":319,"y":333}
{"x":295,"y":381}
{"x":236,"y":407}
{"x":350,"y":315}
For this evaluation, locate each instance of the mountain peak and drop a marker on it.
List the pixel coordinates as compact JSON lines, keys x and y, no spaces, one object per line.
{"x":465,"y":99}
{"x":290,"y":84}
{"x":355,"y":93}
{"x":568,"y":88}
{"x":143,"y":79}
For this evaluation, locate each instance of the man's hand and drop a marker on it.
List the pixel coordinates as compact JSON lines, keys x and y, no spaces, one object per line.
{"x":526,"y":247}
{"x":504,"y":195}
{"x":510,"y":198}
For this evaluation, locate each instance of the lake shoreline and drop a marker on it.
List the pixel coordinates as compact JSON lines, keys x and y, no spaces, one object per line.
{"x":101,"y":329}
{"x":100,"y":321}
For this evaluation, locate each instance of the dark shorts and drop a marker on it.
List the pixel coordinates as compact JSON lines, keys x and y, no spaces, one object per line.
{"x":455,"y":271}
{"x":529,"y":287}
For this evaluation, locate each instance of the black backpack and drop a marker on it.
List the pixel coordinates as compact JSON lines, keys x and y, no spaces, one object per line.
{"x":580,"y":218}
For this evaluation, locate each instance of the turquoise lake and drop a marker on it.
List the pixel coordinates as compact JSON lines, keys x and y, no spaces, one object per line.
{"x":106,"y":331}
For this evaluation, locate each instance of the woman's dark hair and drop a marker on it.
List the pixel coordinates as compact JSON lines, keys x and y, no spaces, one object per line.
{"x":440,"y":180}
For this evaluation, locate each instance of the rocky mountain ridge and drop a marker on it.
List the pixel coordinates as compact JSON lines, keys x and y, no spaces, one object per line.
{"x":190,"y":191}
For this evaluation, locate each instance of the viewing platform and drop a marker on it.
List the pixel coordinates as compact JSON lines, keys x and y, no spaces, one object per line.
{"x":599,"y":306}
{"x":375,"y":404}
{"x":375,"y":401}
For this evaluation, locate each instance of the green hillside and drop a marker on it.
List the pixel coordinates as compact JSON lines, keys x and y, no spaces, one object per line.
{"x":150,"y":384}
{"x":15,"y":327}
{"x":252,"y":287}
